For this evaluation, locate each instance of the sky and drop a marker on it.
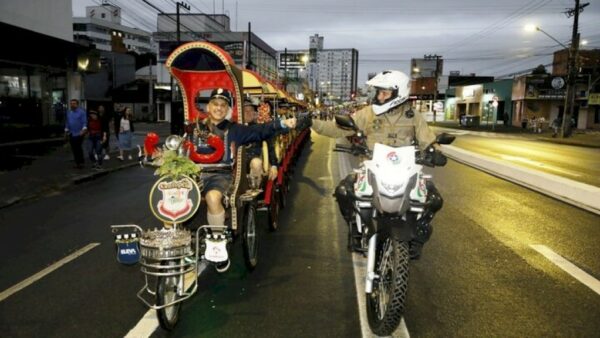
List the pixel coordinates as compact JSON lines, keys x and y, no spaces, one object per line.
{"x":473,"y":36}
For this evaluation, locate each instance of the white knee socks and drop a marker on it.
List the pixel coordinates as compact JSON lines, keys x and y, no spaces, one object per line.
{"x":218,"y":219}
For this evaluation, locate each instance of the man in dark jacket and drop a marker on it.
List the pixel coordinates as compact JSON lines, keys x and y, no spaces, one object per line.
{"x":234,"y":135}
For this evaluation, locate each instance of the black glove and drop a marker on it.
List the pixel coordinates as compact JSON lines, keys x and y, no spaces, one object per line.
{"x":433,"y":157}
{"x":439,"y":159}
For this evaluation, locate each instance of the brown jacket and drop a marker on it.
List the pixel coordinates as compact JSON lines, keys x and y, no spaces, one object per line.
{"x":393,"y":128}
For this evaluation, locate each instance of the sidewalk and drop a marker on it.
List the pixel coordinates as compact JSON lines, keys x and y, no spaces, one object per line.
{"x":580,"y":138}
{"x":53,"y":171}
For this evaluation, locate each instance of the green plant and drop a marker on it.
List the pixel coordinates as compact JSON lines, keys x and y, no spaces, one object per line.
{"x":176,"y":166}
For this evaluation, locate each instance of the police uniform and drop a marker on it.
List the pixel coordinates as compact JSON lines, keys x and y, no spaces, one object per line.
{"x":398,"y":127}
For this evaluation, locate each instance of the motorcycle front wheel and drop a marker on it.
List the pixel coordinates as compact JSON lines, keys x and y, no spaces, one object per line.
{"x":385,"y":304}
{"x":166,"y":292}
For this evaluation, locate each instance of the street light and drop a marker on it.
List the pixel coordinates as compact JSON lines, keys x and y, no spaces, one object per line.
{"x":570,"y":76}
{"x":533,"y":28}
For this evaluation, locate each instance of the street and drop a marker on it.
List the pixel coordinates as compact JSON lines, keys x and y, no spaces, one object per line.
{"x":479,"y":274}
{"x":576,"y":163}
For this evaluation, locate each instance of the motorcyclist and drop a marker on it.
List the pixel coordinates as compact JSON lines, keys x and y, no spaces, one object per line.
{"x":389,"y":120}
{"x":217,"y":183}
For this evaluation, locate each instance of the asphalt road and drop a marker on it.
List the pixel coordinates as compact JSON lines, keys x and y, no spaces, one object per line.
{"x":577,"y":163}
{"x":478,"y":277}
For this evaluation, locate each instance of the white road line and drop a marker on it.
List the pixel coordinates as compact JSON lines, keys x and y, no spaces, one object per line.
{"x":538,"y":164}
{"x":568,"y":267}
{"x":359,"y":263}
{"x":149,"y":322}
{"x":25,"y":283}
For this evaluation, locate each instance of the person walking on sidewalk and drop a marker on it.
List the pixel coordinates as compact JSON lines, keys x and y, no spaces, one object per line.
{"x":96,"y":137}
{"x":125,"y":135}
{"x":105,"y":121}
{"x":75,"y":129}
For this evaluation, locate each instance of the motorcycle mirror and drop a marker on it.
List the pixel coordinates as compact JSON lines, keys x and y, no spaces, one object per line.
{"x":345,"y":122}
{"x":445,"y":138}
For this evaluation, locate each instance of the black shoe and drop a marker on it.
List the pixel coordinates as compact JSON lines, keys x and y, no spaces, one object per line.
{"x":222,"y":266}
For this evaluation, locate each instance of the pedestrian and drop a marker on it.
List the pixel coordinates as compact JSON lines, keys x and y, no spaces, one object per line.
{"x":533,"y":124}
{"x":105,"y":121}
{"x":96,"y":138}
{"x":75,"y":129}
{"x":125,"y":135}
{"x":555,"y":126}
{"x":117,"y":120}
{"x":540,"y":124}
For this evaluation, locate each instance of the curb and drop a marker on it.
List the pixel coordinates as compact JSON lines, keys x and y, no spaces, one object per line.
{"x":92,"y":176}
{"x":578,"y":194}
{"x":74,"y":181}
{"x":568,"y":143}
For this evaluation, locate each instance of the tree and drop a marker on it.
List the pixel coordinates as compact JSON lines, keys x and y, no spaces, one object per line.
{"x":539,"y":70}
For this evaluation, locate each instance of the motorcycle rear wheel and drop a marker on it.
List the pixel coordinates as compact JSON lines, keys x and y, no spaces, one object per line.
{"x":385,"y":304}
{"x":166,"y":292}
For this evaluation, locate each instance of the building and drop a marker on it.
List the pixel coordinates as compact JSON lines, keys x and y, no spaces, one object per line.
{"x":543,"y":95}
{"x":331,"y":74}
{"x":425,"y":89}
{"x":36,"y":84}
{"x":482,"y":103}
{"x":587,"y":102}
{"x":246,"y":48}
{"x":102,"y":27}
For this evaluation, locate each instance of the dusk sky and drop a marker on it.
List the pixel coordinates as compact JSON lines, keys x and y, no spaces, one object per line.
{"x":473,"y":36}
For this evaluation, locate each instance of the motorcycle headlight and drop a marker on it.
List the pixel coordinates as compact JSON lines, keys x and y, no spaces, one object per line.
{"x":392,"y":188}
{"x":172,"y":142}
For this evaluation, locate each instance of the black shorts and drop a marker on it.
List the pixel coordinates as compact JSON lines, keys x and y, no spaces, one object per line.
{"x":216,"y":181}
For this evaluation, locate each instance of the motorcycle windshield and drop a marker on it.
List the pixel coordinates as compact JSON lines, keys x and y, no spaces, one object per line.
{"x":393,"y":168}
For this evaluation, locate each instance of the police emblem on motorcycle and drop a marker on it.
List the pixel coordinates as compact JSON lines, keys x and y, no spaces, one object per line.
{"x":174,"y":201}
{"x":393,"y":157}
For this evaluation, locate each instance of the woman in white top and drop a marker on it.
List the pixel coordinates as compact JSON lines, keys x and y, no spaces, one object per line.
{"x":125,"y":133}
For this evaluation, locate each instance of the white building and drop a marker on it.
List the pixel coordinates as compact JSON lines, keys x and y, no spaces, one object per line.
{"x":331,"y":73}
{"x":102,"y":27}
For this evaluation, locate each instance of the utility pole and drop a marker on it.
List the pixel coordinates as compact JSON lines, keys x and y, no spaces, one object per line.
{"x":176,"y":120}
{"x":437,"y":59}
{"x":186,"y":6}
{"x":249,"y":46}
{"x":572,"y":70}
{"x":285,"y":58}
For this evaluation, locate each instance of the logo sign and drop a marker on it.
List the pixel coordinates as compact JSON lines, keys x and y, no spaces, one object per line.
{"x":393,"y":158}
{"x":594,"y":99}
{"x":558,"y":82}
{"x":128,"y":252}
{"x":174,"y":201}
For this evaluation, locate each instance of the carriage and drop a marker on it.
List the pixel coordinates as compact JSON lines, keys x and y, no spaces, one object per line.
{"x":171,"y":257}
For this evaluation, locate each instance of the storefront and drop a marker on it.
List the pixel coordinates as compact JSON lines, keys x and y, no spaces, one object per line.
{"x":35,"y":85}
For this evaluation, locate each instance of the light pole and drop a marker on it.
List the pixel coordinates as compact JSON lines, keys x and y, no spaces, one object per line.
{"x":573,"y":50}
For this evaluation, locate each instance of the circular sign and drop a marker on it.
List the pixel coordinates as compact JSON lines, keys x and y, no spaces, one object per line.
{"x":558,"y":82}
{"x":174,"y":201}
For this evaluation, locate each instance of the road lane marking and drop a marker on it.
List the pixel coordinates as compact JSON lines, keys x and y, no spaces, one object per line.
{"x":568,"y":267}
{"x":149,"y":322}
{"x":25,"y":283}
{"x":538,"y":164}
{"x":359,"y":262}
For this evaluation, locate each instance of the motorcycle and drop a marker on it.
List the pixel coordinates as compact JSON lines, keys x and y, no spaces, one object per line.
{"x":390,"y":194}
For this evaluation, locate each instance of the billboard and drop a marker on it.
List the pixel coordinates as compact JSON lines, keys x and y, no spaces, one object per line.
{"x":293,"y":60}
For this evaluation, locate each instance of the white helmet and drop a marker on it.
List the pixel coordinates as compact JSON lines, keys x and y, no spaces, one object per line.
{"x":393,"y":80}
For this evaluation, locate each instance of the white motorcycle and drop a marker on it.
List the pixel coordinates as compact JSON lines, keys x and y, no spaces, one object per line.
{"x":390,"y":197}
